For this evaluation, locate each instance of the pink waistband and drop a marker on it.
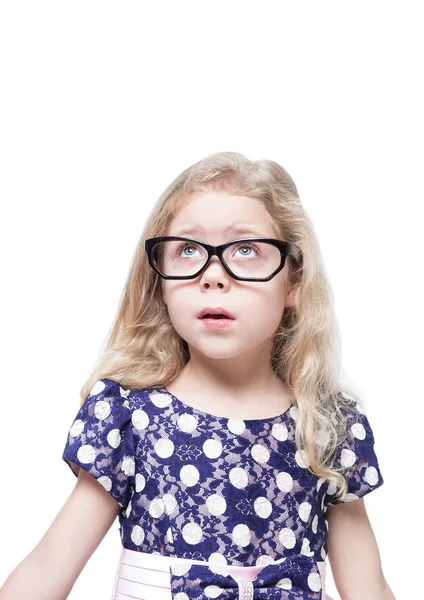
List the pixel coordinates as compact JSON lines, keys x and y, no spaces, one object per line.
{"x":146,"y":576}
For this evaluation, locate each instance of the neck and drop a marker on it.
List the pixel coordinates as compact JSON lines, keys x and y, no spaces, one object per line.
{"x":238,"y":381}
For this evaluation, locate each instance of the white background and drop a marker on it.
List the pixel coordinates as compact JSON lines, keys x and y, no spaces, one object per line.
{"x":102,"y":105}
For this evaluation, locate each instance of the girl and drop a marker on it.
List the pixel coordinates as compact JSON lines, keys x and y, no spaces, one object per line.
{"x":215,"y":421}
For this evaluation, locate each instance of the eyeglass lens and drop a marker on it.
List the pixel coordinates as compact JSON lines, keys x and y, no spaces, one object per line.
{"x":245,"y":259}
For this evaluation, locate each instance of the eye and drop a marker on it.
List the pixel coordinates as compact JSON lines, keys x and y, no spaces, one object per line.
{"x":182,"y":247}
{"x":249,"y":247}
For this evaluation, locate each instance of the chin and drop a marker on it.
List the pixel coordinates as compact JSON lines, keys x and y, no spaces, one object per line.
{"x":221,"y":349}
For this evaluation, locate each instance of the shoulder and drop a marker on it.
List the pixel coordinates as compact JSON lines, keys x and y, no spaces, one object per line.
{"x":111,"y":390}
{"x":142,"y":406}
{"x":358,"y":440}
{"x":352,"y":414}
{"x":355,"y":435}
{"x":104,"y":397}
{"x":115,"y":394}
{"x":107,"y":388}
{"x":357,"y":421}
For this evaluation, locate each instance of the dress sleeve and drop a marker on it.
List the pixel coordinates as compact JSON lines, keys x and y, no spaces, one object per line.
{"x":100,"y":440}
{"x":358,"y":460}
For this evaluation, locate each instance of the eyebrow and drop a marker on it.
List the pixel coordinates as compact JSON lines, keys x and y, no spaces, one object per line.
{"x":241,"y":229}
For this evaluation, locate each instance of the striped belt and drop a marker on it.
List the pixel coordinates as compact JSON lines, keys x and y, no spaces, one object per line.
{"x":144,"y":576}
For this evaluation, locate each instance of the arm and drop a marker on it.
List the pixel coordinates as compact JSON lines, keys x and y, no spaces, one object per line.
{"x":52,"y":567}
{"x":353,"y":553}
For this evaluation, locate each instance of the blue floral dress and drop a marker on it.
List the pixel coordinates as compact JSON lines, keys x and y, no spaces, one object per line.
{"x":194,"y":485}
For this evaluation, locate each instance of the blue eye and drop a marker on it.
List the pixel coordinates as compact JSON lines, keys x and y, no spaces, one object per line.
{"x":250,"y":247}
{"x":184,"y":247}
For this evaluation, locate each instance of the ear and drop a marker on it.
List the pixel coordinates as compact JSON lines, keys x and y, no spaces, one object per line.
{"x":291,"y":297}
{"x":294,"y":284}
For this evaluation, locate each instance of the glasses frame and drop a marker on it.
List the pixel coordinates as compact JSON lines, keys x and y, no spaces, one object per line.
{"x":285,"y":249}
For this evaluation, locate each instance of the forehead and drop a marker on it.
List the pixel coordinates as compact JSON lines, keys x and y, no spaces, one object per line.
{"x":215,"y":213}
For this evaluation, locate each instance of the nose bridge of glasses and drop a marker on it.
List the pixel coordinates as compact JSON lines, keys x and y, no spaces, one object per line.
{"x":215,"y":257}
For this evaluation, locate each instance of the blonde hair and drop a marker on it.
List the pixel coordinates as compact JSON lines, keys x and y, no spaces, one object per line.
{"x":143,"y":350}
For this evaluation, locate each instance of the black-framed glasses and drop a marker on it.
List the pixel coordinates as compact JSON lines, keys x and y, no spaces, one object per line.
{"x":248,"y":259}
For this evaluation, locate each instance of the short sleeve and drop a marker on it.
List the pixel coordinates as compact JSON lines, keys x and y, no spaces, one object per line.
{"x":358,"y":460}
{"x":100,"y":440}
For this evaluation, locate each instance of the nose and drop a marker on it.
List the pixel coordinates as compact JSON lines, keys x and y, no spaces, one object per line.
{"x":214,"y":272}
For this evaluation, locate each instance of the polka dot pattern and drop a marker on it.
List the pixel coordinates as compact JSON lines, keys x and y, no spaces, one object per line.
{"x":358,"y":460}
{"x":298,"y":575}
{"x":195,"y":485}
{"x":101,"y":441}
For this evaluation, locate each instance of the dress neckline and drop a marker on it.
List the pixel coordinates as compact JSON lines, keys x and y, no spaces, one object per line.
{"x":187,"y":407}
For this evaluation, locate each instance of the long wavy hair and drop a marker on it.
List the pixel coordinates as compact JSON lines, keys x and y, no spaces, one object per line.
{"x":143,"y":350}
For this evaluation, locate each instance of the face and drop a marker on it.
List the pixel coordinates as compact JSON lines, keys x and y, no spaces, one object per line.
{"x":257,"y":306}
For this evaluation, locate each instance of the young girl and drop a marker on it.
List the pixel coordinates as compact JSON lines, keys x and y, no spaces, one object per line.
{"x":215,"y":421}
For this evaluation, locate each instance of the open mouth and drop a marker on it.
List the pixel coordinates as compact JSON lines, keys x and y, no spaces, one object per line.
{"x":215,"y":317}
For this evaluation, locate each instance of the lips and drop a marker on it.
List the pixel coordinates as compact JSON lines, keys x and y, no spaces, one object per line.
{"x":215,"y":313}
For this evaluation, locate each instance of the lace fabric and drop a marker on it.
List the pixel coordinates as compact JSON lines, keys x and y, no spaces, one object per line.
{"x":201,"y":487}
{"x":358,"y":460}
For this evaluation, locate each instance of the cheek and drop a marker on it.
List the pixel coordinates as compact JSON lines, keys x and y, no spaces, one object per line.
{"x":265,"y":313}
{"x":266,"y":318}
{"x":171,"y":294}
{"x":183,"y":319}
{"x":185,"y":324}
